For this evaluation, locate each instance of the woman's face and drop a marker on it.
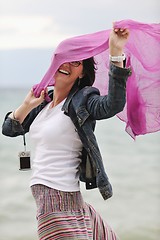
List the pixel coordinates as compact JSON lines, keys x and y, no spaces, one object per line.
{"x":67,"y":73}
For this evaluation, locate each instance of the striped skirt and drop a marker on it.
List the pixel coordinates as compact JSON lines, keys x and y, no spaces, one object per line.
{"x":65,"y":216}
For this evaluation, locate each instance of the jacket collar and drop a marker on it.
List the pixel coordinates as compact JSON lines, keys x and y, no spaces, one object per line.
{"x":73,"y":91}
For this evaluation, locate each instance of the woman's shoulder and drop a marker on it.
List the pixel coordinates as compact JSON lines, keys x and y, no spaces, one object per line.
{"x":88,"y":90}
{"x":81,"y":97}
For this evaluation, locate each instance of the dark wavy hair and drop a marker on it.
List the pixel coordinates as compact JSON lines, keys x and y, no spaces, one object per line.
{"x":89,"y":68}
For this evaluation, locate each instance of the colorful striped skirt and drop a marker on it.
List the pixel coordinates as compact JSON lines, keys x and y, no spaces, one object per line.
{"x":65,"y":216}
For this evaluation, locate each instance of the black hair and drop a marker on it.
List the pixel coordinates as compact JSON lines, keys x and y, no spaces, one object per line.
{"x":89,"y":68}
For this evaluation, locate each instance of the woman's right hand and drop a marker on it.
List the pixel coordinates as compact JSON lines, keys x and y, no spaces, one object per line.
{"x":31,"y":101}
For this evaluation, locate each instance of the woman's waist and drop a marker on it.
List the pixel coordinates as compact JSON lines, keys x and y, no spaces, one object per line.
{"x":53,"y":200}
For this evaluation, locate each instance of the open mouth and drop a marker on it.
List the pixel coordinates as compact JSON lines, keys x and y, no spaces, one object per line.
{"x":63,"y":71}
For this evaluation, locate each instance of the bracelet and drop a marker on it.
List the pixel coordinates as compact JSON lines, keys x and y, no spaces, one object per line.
{"x":117,"y":58}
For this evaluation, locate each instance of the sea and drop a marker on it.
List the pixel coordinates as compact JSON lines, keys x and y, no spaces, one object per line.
{"x":133,"y":167}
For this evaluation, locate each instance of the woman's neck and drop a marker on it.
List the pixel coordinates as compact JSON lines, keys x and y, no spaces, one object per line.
{"x":59,"y":96}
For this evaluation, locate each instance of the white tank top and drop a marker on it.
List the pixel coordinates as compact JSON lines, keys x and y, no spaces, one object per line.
{"x":57,"y":150}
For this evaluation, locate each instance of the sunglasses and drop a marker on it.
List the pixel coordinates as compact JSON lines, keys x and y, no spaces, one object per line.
{"x":75,"y":63}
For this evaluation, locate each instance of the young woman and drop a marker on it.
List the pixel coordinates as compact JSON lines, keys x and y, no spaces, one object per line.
{"x":66,"y":150}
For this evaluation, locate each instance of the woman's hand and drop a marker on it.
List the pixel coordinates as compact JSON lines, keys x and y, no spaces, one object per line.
{"x":31,"y":101}
{"x":117,"y":40}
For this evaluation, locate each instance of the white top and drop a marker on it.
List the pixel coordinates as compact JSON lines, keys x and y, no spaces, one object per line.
{"x":57,"y":150}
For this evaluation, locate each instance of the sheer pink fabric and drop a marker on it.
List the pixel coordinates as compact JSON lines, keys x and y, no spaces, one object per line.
{"x":142,"y":110}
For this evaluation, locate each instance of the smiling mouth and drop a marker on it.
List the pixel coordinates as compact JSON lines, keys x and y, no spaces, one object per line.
{"x":63,"y":72}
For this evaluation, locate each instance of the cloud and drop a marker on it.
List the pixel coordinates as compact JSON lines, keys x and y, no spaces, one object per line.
{"x":29,"y":32}
{"x":43,"y":24}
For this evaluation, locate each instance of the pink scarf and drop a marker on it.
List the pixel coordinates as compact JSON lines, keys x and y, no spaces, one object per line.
{"x":142,"y":110}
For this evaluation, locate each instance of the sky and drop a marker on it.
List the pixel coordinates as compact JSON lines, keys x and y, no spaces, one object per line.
{"x":44,"y":23}
{"x":31,"y":29}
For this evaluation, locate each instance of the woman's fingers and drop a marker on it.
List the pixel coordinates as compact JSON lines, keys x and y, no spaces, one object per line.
{"x":42,"y":94}
{"x":122,"y":32}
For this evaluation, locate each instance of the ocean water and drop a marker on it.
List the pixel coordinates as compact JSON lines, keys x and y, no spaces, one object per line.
{"x":133,"y":168}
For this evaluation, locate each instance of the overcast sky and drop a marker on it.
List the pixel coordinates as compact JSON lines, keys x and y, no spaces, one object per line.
{"x":43,"y":23}
{"x":31,"y":29}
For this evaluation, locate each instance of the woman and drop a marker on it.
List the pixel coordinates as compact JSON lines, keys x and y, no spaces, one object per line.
{"x":66,"y":150}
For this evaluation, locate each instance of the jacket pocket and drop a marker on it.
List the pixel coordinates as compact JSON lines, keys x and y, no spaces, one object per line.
{"x":82,"y":115}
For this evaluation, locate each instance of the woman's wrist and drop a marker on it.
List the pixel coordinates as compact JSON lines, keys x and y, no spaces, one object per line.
{"x":21,"y":112}
{"x":115,"y":52}
{"x":119,"y":58}
{"x":14,"y":115}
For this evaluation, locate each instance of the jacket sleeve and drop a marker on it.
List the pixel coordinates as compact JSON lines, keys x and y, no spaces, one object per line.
{"x":102,"y":107}
{"x":13,"y":128}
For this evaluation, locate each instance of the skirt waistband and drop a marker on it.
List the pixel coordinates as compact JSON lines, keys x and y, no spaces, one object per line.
{"x":52,"y":200}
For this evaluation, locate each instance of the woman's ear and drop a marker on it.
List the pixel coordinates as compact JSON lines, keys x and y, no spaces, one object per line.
{"x":81,"y":75}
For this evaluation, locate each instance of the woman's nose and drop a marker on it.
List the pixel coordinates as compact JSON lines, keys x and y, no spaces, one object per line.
{"x":65,"y":64}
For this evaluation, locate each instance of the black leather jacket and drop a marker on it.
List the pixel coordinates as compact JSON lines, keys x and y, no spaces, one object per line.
{"x":85,"y":106}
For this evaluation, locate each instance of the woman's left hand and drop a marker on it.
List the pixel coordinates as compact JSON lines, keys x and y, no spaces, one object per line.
{"x":117,"y":40}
